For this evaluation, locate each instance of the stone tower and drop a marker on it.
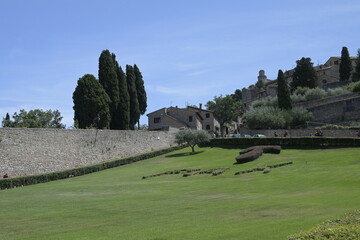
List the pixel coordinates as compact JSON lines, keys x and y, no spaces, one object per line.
{"x":262,"y":77}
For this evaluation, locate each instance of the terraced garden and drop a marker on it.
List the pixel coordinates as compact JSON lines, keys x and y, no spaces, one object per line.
{"x":152,"y":199}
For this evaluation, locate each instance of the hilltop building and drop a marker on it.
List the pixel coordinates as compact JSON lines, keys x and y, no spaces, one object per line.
{"x":328,"y":77}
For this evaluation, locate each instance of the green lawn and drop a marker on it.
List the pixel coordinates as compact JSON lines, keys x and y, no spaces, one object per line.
{"x":119,"y":204}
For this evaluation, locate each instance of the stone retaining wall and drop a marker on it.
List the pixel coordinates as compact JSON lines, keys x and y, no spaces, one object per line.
{"x":36,"y":151}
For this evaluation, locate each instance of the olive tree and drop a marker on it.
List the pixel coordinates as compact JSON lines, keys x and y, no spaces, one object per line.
{"x":191,"y":137}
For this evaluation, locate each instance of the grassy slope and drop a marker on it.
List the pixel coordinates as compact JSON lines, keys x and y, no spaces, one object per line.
{"x":118,"y":204}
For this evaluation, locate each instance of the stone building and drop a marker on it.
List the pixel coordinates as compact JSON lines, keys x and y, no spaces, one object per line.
{"x":265,"y":88}
{"x":180,"y":118}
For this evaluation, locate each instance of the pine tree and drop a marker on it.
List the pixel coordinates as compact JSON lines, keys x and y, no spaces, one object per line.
{"x":304,"y":74}
{"x":356,"y":74}
{"x":91,"y":104}
{"x":122,"y":117}
{"x":345,"y":65}
{"x":141,"y":93}
{"x":134,"y":102}
{"x":108,"y":79}
{"x":284,"y":100}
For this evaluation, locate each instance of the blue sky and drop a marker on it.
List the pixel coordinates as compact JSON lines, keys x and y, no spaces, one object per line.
{"x":188,"y":51}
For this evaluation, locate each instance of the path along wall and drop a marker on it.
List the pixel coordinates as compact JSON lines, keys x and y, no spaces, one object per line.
{"x":36,"y":151}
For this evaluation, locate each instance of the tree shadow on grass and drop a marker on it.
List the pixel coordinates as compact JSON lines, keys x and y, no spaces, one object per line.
{"x":183,"y":154}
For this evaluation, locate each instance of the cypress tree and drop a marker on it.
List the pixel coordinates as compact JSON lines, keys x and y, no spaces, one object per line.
{"x":91,"y":104}
{"x":304,"y":74}
{"x":122,"y":117}
{"x":356,"y":74}
{"x":345,"y":67}
{"x":108,"y":79}
{"x":141,"y":93}
{"x":284,"y":100}
{"x":134,"y":102}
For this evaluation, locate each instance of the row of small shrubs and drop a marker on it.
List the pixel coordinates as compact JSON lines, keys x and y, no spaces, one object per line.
{"x":344,"y":228}
{"x":294,"y":142}
{"x":263,"y":169}
{"x":213,"y":172}
{"x":47,"y":177}
{"x":182,"y":171}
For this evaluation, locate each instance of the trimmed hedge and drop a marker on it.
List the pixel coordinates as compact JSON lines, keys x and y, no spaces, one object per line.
{"x":47,"y":177}
{"x":285,"y":142}
{"x":253,"y":153}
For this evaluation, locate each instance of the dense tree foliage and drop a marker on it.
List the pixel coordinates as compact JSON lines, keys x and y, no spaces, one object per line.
{"x":284,"y":99}
{"x":191,"y":137}
{"x":268,"y":117}
{"x":140,"y":90}
{"x":134,"y":102}
{"x":122,"y":116}
{"x":225,"y":108}
{"x":237,"y":95}
{"x":36,"y":118}
{"x":345,"y":67}
{"x":108,"y":79}
{"x":356,"y":74}
{"x":91,"y":104}
{"x":304,"y":74}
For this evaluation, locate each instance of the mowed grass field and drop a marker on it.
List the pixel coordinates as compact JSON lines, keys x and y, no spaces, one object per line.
{"x":119,"y":204}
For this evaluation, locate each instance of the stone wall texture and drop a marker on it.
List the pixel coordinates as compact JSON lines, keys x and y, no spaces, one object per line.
{"x":35,"y":151}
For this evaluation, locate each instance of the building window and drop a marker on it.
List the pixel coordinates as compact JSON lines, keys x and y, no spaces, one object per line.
{"x":324,"y":81}
{"x":190,"y":118}
{"x":207,"y":127}
{"x":336,"y":62}
{"x":207,"y":115}
{"x":157,"y":120}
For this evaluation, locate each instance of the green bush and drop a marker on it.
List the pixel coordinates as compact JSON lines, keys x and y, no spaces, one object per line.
{"x":275,"y":118}
{"x":344,"y":228}
{"x":315,"y":93}
{"x":356,"y":87}
{"x":47,"y":177}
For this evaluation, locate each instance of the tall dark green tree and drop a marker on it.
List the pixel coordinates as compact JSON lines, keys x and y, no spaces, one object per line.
{"x":284,"y":99}
{"x":134,"y":102}
{"x":141,"y":93}
{"x":108,"y":79}
{"x":345,"y":67}
{"x":304,"y":74}
{"x":7,"y":121}
{"x":91,"y":104}
{"x":122,"y":116}
{"x":356,"y":74}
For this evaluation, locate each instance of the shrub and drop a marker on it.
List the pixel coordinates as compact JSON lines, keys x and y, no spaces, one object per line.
{"x":356,"y":87}
{"x":265,"y":102}
{"x":249,"y":156}
{"x":265,"y":117}
{"x":315,"y":93}
{"x":285,"y":142}
{"x":253,"y":153}
{"x":344,"y":228}
{"x":336,"y":91}
{"x":300,"y":116}
{"x":275,"y":118}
